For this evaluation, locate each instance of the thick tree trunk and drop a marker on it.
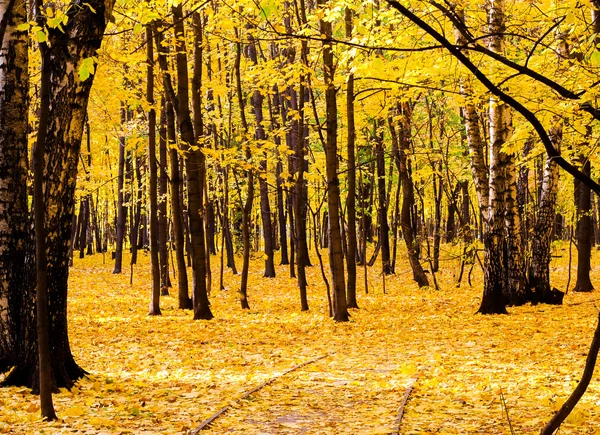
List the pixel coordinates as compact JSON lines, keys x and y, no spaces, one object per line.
{"x":14,"y":229}
{"x":195,"y":168}
{"x":69,"y":96}
{"x":515,"y":293}
{"x":539,"y":272}
{"x":496,"y":288}
{"x":41,"y":293}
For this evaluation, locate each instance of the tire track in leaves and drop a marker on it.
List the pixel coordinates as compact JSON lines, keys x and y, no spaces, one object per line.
{"x":344,"y":394}
{"x":206,"y":423}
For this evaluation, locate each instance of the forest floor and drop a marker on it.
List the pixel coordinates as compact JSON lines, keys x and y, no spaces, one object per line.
{"x":165,"y":375}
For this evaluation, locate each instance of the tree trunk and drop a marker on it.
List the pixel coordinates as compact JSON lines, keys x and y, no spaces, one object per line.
{"x":584,"y":232}
{"x":69,"y":96}
{"x":163,"y":222}
{"x":351,"y":200}
{"x":121,"y":207}
{"x":154,"y":229}
{"x":265,"y":207}
{"x":184,"y":300}
{"x":336,"y":255}
{"x":137,"y":214}
{"x":247,"y":206}
{"x":539,"y":273}
{"x":300,"y":205}
{"x":84,"y":216}
{"x":283,"y":245}
{"x":384,"y":229}
{"x":194,"y":164}
{"x":408,"y":194}
{"x":43,"y":324}
{"x":496,"y":288}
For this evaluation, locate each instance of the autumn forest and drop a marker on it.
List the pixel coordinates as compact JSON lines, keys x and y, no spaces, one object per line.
{"x":299,"y":216}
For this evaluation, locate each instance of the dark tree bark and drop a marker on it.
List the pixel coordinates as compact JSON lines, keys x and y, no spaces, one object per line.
{"x":184,"y":300}
{"x":300,"y":206}
{"x":84,"y":216}
{"x":195,"y":169}
{"x":163,"y":222}
{"x":452,"y":214}
{"x":137,"y":214}
{"x":43,"y":323}
{"x":351,"y":200}
{"x":265,"y":207}
{"x":69,"y":96}
{"x":384,"y":228}
{"x":154,"y":229}
{"x":283,"y":245}
{"x":336,"y":255}
{"x":247,"y":206}
{"x":408,"y":193}
{"x":584,"y":232}
{"x":226,"y":225}
{"x":121,"y":207}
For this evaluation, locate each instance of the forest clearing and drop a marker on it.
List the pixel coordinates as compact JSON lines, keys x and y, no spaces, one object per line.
{"x":165,"y":374}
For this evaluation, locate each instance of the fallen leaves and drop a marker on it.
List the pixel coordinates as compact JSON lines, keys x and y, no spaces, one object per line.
{"x":151,"y":375}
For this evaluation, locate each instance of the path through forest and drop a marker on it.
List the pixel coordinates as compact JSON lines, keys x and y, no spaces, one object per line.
{"x":167,"y":374}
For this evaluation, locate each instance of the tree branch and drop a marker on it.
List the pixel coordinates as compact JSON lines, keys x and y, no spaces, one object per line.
{"x":552,"y":152}
{"x":588,"y":371}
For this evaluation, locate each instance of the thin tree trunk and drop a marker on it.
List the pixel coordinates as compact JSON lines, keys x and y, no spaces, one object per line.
{"x":351,"y":199}
{"x":184,"y":300}
{"x":384,"y":229}
{"x":154,"y":229}
{"x":265,"y":207}
{"x":584,"y":233}
{"x":163,"y":223}
{"x":121,"y":207}
{"x":43,"y":323}
{"x":336,"y":256}
{"x":247,"y":207}
{"x":408,"y":194}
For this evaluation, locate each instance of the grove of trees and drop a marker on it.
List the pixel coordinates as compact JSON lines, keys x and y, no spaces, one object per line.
{"x":289,"y":129}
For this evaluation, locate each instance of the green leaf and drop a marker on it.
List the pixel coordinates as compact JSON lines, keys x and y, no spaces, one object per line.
{"x":86,"y":68}
{"x":23,"y":27}
{"x":41,"y":36}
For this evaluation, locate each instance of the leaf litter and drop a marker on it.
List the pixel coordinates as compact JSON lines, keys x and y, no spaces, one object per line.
{"x":167,"y":374}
